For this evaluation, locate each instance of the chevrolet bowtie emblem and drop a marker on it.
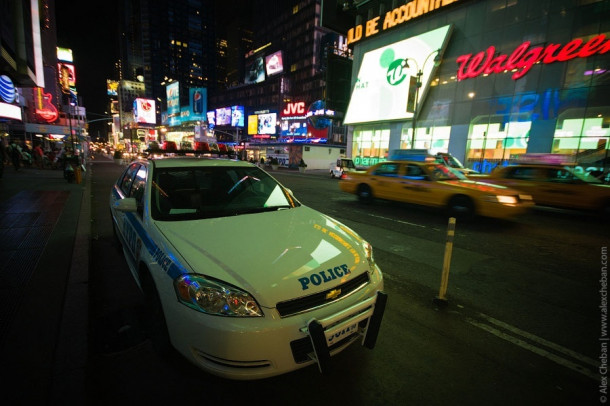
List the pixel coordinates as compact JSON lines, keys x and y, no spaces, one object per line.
{"x":333,"y":294}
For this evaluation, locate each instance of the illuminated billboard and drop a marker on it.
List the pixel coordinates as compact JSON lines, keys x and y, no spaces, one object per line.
{"x":255,"y":71}
{"x":64,"y":54}
{"x":173,"y":103}
{"x":387,"y":76}
{"x":267,"y":123}
{"x":223,"y":116}
{"x":211,"y":118}
{"x":67,"y":76}
{"x":144,"y":111}
{"x":274,"y":63}
{"x":237,"y":116}
{"x":112,"y":87}
{"x":198,"y":102}
{"x":253,"y":124}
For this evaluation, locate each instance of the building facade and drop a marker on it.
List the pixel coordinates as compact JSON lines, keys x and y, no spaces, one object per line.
{"x":486,"y":80}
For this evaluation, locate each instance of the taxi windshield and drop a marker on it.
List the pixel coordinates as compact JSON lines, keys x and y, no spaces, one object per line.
{"x":443,"y":172}
{"x":191,"y":193}
{"x":585,"y":177}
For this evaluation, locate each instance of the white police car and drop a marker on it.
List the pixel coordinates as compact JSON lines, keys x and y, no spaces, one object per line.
{"x":241,"y":278}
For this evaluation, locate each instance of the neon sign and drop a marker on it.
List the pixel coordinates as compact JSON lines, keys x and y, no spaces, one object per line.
{"x":399,"y":15}
{"x":523,"y":57}
{"x":43,"y":106}
{"x":294,"y":108}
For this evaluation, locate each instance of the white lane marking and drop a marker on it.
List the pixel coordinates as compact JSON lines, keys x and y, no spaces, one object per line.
{"x":542,"y":341}
{"x":536,"y":350}
{"x":397,"y":221}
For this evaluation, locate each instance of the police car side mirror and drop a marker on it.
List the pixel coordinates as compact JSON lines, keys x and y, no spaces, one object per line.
{"x":128,"y":204}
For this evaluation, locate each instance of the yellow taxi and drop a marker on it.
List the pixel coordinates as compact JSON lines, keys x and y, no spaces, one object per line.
{"x":555,"y":185}
{"x":436,"y":185}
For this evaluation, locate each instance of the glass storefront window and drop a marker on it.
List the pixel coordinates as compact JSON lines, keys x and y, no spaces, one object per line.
{"x":370,"y":146}
{"x":434,"y":139}
{"x":494,"y":144}
{"x":588,"y":140}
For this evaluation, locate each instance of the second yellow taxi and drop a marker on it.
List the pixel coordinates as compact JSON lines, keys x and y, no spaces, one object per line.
{"x":435,"y":185}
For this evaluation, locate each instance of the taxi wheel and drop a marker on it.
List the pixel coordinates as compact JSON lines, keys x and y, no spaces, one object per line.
{"x":461,"y":207}
{"x":365,"y":194}
{"x":155,"y":323}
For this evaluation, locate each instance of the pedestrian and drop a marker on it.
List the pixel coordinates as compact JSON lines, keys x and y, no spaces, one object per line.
{"x":16,"y":156}
{"x":38,"y":156}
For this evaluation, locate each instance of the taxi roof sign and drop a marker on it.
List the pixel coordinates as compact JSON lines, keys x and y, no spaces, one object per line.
{"x":545,"y":159}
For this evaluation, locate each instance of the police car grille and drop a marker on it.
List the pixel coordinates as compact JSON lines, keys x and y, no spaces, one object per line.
{"x":295,"y":306}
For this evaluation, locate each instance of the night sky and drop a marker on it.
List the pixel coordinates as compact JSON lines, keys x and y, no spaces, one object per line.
{"x":93,"y":38}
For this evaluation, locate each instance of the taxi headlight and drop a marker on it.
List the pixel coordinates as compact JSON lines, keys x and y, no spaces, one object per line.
{"x":214,"y":297}
{"x":503,"y":199}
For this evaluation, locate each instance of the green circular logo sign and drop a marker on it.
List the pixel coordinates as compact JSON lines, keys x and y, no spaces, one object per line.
{"x":395,"y":74}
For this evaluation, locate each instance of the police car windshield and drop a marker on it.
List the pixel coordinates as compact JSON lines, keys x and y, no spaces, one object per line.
{"x":191,"y":193}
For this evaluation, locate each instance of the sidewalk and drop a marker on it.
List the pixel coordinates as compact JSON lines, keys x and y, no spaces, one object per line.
{"x":44,"y":243}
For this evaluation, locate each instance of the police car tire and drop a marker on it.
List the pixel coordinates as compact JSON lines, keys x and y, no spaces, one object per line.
{"x":156,"y":324}
{"x":332,"y":174}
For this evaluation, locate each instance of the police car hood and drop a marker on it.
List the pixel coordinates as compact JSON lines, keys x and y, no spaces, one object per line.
{"x":274,"y":256}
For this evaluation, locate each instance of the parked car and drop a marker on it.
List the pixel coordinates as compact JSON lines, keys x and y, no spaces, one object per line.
{"x":435,"y":185}
{"x":241,"y":278}
{"x":337,"y":169}
{"x":555,"y":185}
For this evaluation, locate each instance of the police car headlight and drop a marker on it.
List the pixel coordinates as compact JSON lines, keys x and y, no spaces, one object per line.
{"x":214,"y":297}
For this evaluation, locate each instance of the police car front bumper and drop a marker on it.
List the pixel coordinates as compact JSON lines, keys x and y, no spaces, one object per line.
{"x":322,"y":332}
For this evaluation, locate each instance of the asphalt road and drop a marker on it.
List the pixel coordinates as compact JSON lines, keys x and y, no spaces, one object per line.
{"x":521,"y":325}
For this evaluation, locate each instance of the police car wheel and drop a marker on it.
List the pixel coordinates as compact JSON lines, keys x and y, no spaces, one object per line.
{"x":155,"y":319}
{"x":332,"y":174}
{"x":365,"y":194}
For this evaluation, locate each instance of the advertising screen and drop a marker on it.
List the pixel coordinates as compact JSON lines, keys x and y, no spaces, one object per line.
{"x":267,"y":123}
{"x":252,"y":124}
{"x":67,"y":76}
{"x":144,"y":111}
{"x":64,"y":54}
{"x":211,"y":118}
{"x":237,"y":116}
{"x":223,"y":116}
{"x":198,"y":102}
{"x":274,"y":63}
{"x":255,"y":71}
{"x":384,"y":80}
{"x":112,"y":87}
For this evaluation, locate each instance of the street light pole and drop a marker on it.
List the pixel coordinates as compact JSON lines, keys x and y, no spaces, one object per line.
{"x":418,"y":85}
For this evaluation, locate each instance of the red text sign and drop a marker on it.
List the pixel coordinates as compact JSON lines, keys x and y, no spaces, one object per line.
{"x":294,"y":109}
{"x":523,"y":57}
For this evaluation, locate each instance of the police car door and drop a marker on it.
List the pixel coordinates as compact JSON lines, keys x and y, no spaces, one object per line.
{"x":133,"y":223}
